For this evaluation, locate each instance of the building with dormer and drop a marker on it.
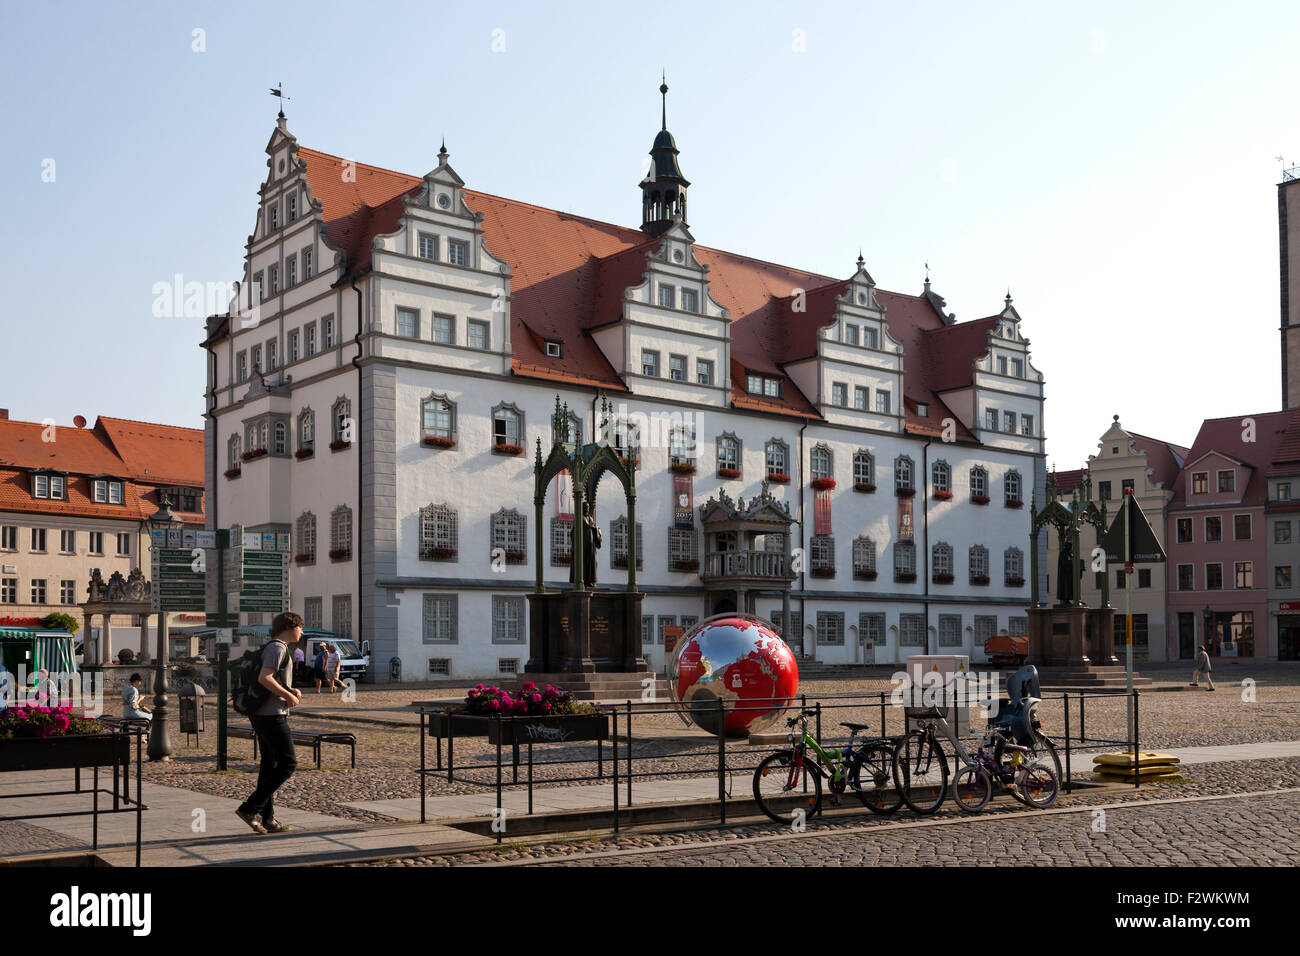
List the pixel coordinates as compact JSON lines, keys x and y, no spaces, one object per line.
{"x":399,"y":343}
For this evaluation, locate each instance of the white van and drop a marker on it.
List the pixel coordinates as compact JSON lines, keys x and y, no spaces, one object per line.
{"x":354,"y":661}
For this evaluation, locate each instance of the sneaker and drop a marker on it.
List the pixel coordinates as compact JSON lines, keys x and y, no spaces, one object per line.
{"x":1193,"y":684}
{"x":274,"y":826}
{"x":1209,"y":688}
{"x":254,"y":820}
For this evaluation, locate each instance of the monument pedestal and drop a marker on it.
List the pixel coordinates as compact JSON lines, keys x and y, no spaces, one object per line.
{"x":1075,"y":647}
{"x":585,"y":632}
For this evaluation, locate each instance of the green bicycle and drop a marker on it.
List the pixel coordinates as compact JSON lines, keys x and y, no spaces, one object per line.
{"x":791,"y":779}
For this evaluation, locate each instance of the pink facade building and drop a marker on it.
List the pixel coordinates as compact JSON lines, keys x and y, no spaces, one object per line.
{"x":1217,"y":542}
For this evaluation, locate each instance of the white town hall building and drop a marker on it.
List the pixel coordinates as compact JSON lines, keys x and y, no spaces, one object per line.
{"x":384,"y":400}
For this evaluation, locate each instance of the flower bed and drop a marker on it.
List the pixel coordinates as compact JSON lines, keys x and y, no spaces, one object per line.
{"x":728,"y":473}
{"x":822,"y":484}
{"x":339,"y":444}
{"x":682,"y":468}
{"x":905,"y":492}
{"x":254,"y":453}
{"x":865,"y":487}
{"x":41,"y":722}
{"x":943,"y":496}
{"x":980,"y":499}
{"x":864,"y":575}
{"x":529,"y":701}
{"x":504,"y":448}
{"x":302,"y":453}
{"x":51,"y":738}
{"x":340,"y":554}
{"x":1015,"y":503}
{"x":941,"y":577}
{"x":439,"y":441}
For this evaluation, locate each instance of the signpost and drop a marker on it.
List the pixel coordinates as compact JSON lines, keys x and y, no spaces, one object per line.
{"x":1130,"y":540}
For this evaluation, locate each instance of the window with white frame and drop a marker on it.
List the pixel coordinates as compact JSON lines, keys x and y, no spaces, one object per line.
{"x":273,"y":215}
{"x":850,"y":334}
{"x":94,"y":546}
{"x":1012,"y":485}
{"x":822,"y":554}
{"x":306,"y":430}
{"x":307,"y":261}
{"x":979,"y":482}
{"x":1018,"y":367}
{"x":1014,"y":564}
{"x":864,"y":556}
{"x":341,"y":415}
{"x":690,"y":300}
{"x":839,"y":395}
{"x":507,"y":426}
{"x":440,"y":619}
{"x":904,"y":470}
{"x":864,"y":468}
{"x":9,"y":591}
{"x":830,"y":627}
{"x":991,"y":419}
{"x":444,"y":329}
{"x":341,"y":532}
{"x":292,"y":355}
{"x":1009,"y":422}
{"x":438,"y":415}
{"x":256,"y":353}
{"x":457,"y":252}
{"x":478,"y":334}
{"x":683,"y":550}
{"x":271,"y":361}
{"x":667,"y":296}
{"x":704,"y":371}
{"x":979,"y":562}
{"x":861,"y":398}
{"x":941,"y":477}
{"x":273,"y":279}
{"x":408,"y":324}
{"x":904,"y":558}
{"x":507,"y":619}
{"x":1027,"y":425}
{"x":677,"y":368}
{"x":327,"y":332}
{"x":941,"y":562}
{"x":950,"y":630}
{"x":38,"y":590}
{"x":911,"y":630}
{"x":309,"y":339}
{"x":124,"y":544}
{"x":729,"y":453}
{"x":510,"y":535}
{"x":882,"y":400}
{"x":777,"y":455}
{"x":241,"y":367}
{"x":438,"y":533}
{"x":280,"y":441}
{"x":561,"y":542}
{"x":233,"y":459}
{"x":821,"y":463}
{"x":428,"y":246}
{"x":290,"y":271}
{"x":305,"y":532}
{"x":9,"y":538}
{"x":67,"y":542}
{"x":290,"y":207}
{"x":869,"y":337}
{"x":649,"y":363}
{"x":681,"y":445}
{"x":68,"y":591}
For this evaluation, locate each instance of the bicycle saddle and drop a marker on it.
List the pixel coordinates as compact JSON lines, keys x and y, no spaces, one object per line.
{"x":854,"y":727}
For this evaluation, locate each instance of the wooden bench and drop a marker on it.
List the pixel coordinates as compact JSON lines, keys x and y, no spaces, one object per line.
{"x":305,"y":737}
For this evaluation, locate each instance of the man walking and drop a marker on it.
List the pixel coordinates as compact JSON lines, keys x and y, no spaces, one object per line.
{"x":1202,"y":667}
{"x":271,"y":724}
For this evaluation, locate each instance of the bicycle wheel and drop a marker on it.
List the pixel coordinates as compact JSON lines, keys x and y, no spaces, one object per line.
{"x":920,"y":772}
{"x":779,"y":787}
{"x":1043,"y":744}
{"x":972,"y":788}
{"x":873,"y":778}
{"x":1037,"y":786}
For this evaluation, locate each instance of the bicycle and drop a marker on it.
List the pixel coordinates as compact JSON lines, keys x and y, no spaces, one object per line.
{"x":866,"y":768}
{"x":1025,"y":774}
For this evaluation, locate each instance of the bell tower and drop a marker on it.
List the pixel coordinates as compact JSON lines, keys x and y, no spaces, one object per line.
{"x":663,"y":191}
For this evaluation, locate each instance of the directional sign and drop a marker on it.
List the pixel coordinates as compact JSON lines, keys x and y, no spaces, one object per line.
{"x":1142,"y":543}
{"x":217,"y":620}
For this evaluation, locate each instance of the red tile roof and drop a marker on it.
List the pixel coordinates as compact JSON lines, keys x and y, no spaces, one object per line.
{"x":1288,"y":448}
{"x":1067,"y":481}
{"x":1164,"y":458}
{"x":157,"y":454}
{"x":1223,"y":436}
{"x":569,"y":274}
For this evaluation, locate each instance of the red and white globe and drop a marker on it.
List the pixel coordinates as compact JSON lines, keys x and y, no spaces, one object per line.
{"x":740,"y":661}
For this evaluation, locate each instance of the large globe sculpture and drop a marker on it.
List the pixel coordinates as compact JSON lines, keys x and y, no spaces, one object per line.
{"x":739,"y":660}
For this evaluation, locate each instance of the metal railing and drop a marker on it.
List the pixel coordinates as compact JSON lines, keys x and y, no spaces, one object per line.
{"x":749,"y":564}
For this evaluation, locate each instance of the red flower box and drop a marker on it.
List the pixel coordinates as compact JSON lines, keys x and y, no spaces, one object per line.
{"x":255,"y":453}
{"x":516,"y":557}
{"x":905,"y":492}
{"x":687,"y":565}
{"x":865,"y":575}
{"x":980,"y":579}
{"x":302,"y":453}
{"x":682,"y":468}
{"x":943,"y":495}
{"x":728,"y":473}
{"x":339,"y":444}
{"x":865,"y":487}
{"x":630,"y":462}
{"x":437,"y":441}
{"x":234,"y":472}
{"x":1015,"y":582}
{"x":823,"y":484}
{"x":505,"y":449}
{"x":437,"y":554}
{"x":340,"y":554}
{"x":980,"y":499}
{"x":822,"y":572}
{"x":1015,"y":503}
{"x":305,"y":558}
{"x":941,"y":577}
{"x":905,"y":576}
{"x":777,"y":478}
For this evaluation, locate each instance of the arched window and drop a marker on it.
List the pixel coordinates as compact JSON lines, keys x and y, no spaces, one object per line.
{"x":306,"y":534}
{"x":438,"y":420}
{"x":864,"y":470}
{"x":904,"y":561}
{"x":1014,"y":565}
{"x":263,"y":434}
{"x":341,"y":416}
{"x":281,"y":433}
{"x":941,"y":478}
{"x":510,"y":534}
{"x":941,"y":563}
{"x":728,"y":456}
{"x":979,"y":564}
{"x":681,"y":445}
{"x":437,"y":533}
{"x":864,"y":558}
{"x":822,"y":555}
{"x":232,"y":452}
{"x":507,"y":425}
{"x":777,"y":454}
{"x":822,"y":463}
{"x":904,"y":470}
{"x":341,"y":533}
{"x":979,"y":483}
{"x":1013,"y":492}
{"x":306,"y":430}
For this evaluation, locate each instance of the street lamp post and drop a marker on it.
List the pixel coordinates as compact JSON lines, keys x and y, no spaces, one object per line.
{"x":160,"y":747}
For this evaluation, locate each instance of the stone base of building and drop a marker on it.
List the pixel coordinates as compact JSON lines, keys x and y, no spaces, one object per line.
{"x":584,"y":632}
{"x":1075,"y":647}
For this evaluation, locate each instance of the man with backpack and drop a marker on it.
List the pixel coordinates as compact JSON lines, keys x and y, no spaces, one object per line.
{"x":270,"y":719}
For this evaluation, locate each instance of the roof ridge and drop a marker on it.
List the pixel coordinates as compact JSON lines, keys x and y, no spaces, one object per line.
{"x":344,"y":159}
{"x":140,"y":421}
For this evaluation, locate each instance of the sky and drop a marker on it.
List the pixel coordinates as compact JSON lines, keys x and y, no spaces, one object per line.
{"x":1113,"y":165}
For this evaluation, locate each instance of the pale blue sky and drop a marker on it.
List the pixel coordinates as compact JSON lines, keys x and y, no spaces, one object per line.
{"x":1112,"y":163}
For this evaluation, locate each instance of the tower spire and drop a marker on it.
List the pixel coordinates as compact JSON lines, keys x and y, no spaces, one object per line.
{"x":663,"y":191}
{"x":663,"y":91}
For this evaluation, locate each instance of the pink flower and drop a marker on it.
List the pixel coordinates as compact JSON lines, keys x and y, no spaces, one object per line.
{"x":493,"y":705}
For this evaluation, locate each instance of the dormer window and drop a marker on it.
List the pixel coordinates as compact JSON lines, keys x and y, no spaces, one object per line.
{"x":869,"y":337}
{"x":457,"y":252}
{"x":690,"y":300}
{"x":850,"y":335}
{"x":428,"y":246}
{"x":553,"y":349}
{"x":667,"y":296}
{"x":105,"y":491}
{"x":922,"y":410}
{"x":53,"y":487}
{"x":1227,"y":481}
{"x":763,"y":385}
{"x":1018,"y":368}
{"x":1200,"y":482}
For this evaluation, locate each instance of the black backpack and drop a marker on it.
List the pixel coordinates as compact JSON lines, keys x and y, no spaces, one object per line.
{"x":246,"y":691}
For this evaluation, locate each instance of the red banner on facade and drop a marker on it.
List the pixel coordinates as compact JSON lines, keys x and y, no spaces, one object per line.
{"x":821,"y":512}
{"x":683,"y":501}
{"x":905,"y":519}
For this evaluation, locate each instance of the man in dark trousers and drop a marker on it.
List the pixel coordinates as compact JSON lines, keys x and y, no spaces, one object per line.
{"x":271,"y":724}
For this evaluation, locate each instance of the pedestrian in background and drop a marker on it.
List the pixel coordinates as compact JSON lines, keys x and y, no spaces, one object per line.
{"x":1202,"y":667}
{"x":133,"y":701}
{"x":318,"y":665}
{"x":332,"y":664}
{"x":271,"y":724}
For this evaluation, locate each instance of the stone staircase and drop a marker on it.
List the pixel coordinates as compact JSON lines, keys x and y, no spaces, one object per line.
{"x":1109,"y":677}
{"x":598,"y":686}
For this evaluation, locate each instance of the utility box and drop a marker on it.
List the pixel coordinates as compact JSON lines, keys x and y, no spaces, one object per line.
{"x":940,"y":681}
{"x":190,"y":704}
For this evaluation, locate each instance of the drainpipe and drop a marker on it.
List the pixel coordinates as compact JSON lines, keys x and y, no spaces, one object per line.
{"x":361,"y":599}
{"x":803,"y":574}
{"x":924,"y":557}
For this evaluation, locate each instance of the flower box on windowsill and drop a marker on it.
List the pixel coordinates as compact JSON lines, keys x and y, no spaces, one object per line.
{"x":943,"y":496}
{"x":502,"y":448}
{"x":340,"y":554}
{"x":561,"y":560}
{"x":339,"y":444}
{"x":728,"y":473}
{"x":682,"y":468}
{"x":980,"y":499}
{"x":437,"y":554}
{"x":905,"y":492}
{"x":439,"y":441}
{"x":516,"y":557}
{"x":630,"y":462}
{"x":1015,"y":582}
{"x":689,"y":564}
{"x":905,"y":577}
{"x":304,"y":558}
{"x":980,"y":579}
{"x":620,"y":561}
{"x":233,"y":473}
{"x":822,"y":572}
{"x":255,"y":453}
{"x":823,"y":484}
{"x":302,"y":453}
{"x":777,"y":478}
{"x":1015,"y":503}
{"x":863,"y":575}
{"x":941,"y":577}
{"x":865,"y":487}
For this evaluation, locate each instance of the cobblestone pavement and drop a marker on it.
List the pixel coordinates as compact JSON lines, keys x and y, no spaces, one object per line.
{"x":18,"y":836}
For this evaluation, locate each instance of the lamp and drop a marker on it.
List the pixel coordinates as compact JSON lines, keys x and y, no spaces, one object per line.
{"x":160,"y":523}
